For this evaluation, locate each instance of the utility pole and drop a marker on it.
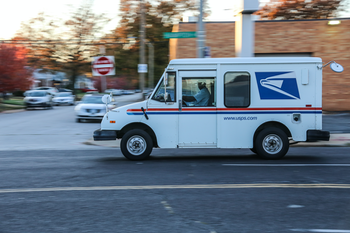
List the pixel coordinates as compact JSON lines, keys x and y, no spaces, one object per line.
{"x":151,"y":65}
{"x":200,"y":32}
{"x":142,"y":44}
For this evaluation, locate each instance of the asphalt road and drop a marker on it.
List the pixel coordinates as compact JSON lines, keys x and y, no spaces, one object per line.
{"x":174,"y":191}
{"x":52,"y":182}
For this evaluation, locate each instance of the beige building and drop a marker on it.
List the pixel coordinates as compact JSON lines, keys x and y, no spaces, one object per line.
{"x":314,"y":38}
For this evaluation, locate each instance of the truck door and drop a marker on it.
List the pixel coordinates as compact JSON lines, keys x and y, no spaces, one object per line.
{"x":197,"y":108}
{"x":163,"y":112}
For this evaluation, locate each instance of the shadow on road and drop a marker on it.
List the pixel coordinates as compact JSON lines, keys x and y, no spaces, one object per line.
{"x":223,"y":155}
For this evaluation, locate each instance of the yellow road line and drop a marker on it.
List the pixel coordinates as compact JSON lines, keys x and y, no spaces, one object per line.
{"x":196,"y":186}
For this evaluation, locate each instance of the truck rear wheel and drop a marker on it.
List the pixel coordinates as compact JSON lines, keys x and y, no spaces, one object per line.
{"x":136,"y":144}
{"x":271,"y":143}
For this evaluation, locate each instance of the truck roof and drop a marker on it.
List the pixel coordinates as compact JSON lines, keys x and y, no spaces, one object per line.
{"x":249,"y":60}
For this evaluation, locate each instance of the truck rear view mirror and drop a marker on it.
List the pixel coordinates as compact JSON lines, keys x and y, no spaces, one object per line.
{"x":336,"y":67}
{"x":106,"y":99}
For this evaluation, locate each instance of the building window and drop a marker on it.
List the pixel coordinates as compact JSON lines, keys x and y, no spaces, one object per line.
{"x":237,"y":89}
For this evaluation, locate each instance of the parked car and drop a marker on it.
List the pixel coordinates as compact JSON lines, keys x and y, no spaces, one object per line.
{"x":64,"y":90}
{"x":35,"y":99}
{"x":129,"y":92}
{"x":89,"y":90}
{"x":91,"y":107}
{"x":5,"y":95}
{"x":52,"y":90}
{"x":115,"y":92}
{"x":63,"y":98}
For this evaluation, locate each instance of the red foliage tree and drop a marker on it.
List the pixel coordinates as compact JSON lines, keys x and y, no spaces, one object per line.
{"x":299,"y":9}
{"x":13,"y":72}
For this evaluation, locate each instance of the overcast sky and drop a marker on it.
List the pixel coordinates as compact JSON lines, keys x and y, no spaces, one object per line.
{"x":15,"y":11}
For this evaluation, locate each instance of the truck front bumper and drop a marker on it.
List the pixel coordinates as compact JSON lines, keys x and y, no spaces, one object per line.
{"x":103,"y":135}
{"x":317,"y":135}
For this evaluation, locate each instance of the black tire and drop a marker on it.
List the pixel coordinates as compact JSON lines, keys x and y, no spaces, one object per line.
{"x":78,"y":120}
{"x":136,"y":144}
{"x":253,"y":150}
{"x":271,"y":143}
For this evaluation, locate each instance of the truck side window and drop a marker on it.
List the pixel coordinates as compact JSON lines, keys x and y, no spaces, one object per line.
{"x":198,"y":92}
{"x":170,"y":89}
{"x":237,"y":89}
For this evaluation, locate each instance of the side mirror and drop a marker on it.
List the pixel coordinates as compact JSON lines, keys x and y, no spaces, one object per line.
{"x":106,"y":99}
{"x":336,"y":67}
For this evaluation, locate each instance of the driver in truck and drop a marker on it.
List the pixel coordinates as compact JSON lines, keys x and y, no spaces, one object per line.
{"x":201,"y":98}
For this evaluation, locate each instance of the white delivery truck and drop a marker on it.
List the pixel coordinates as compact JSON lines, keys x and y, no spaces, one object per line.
{"x":256,"y":103}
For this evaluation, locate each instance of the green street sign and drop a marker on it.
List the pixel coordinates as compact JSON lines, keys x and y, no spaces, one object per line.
{"x":171,"y":35}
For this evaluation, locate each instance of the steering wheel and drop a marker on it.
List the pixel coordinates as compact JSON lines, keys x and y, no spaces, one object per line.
{"x":184,"y":103}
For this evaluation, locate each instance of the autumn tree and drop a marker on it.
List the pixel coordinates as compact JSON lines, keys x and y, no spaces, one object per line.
{"x":160,"y":16}
{"x":299,"y":9}
{"x":14,"y":75}
{"x":68,"y":46}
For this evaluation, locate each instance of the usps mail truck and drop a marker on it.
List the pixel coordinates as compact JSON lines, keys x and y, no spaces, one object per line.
{"x":258,"y":103}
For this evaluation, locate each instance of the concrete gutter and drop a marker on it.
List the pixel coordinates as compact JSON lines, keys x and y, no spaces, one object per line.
{"x":335,"y":140}
{"x":341,"y":140}
{"x":12,"y":111}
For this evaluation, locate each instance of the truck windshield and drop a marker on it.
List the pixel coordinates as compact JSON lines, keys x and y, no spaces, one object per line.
{"x":170,"y":89}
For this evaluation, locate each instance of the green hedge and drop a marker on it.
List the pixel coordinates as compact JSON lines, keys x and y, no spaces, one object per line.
{"x":14,"y":101}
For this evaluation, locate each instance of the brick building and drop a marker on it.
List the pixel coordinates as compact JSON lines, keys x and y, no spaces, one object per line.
{"x":284,"y":38}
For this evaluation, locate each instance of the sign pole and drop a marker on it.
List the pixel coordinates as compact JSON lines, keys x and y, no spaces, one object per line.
{"x":103,"y":84}
{"x":103,"y":77}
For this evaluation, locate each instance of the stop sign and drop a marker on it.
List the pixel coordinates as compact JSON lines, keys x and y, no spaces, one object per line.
{"x":103,"y":65}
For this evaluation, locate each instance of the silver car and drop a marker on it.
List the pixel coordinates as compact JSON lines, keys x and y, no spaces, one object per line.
{"x":91,"y":107}
{"x":35,"y":99}
{"x":63,"y":98}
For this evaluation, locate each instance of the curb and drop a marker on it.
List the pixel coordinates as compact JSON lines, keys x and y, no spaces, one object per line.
{"x":336,"y":140}
{"x":12,"y":111}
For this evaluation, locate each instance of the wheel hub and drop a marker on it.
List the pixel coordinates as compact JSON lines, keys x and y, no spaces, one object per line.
{"x":272,"y":144}
{"x":136,"y":145}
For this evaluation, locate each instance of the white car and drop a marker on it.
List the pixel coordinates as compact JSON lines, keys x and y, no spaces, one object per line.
{"x":91,"y":107}
{"x":51,"y":90}
{"x":115,"y":92}
{"x":35,"y":99}
{"x":63,"y":98}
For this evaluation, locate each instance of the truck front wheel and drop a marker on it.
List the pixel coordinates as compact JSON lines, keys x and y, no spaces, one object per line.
{"x":271,"y":143}
{"x":136,"y":144}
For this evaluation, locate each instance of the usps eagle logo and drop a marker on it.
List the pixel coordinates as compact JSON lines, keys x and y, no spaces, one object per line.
{"x":277,"y":85}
